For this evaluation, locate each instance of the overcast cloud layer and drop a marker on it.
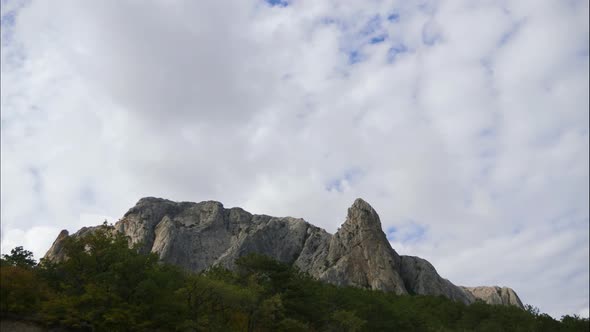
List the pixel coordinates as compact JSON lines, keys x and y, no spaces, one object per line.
{"x":464,"y":123}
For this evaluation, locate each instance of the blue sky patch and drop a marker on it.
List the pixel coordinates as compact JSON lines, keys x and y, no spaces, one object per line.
{"x":409,"y":232}
{"x":378,"y":39}
{"x":393,"y":17}
{"x":277,"y":3}
{"x":355,"y":57}
{"x":390,"y":231}
{"x":7,"y":19}
{"x":487,"y":132}
{"x":393,"y":52}
{"x":429,"y":37}
{"x":7,"y":25}
{"x":372,"y":26}
{"x":507,"y":36}
{"x":351,"y":176}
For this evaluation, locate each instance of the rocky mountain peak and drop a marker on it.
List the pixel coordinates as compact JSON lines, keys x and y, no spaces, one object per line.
{"x":360,"y":255}
{"x":197,"y":236}
{"x":362,"y":225}
{"x":361,"y":215}
{"x":361,"y":204}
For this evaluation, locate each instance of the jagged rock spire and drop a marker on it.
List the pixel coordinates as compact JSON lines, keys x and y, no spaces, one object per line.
{"x":360,"y":254}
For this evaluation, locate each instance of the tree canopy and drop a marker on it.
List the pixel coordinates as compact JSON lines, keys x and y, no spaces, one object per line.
{"x":105,"y":285}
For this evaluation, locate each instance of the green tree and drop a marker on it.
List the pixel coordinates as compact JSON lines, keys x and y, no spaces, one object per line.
{"x":575,"y":323}
{"x":21,"y":290}
{"x":19,"y":257}
{"x":346,"y":321}
{"x":532,"y":310}
{"x":292,"y":325}
{"x":106,"y":285}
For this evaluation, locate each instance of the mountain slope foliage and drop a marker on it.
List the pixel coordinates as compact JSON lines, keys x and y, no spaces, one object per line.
{"x":106,"y":286}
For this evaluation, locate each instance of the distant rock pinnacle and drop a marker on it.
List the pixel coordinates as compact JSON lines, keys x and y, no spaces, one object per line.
{"x":360,"y":255}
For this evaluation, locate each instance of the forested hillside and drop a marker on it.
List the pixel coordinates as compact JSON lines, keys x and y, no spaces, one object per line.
{"x":106,"y":286}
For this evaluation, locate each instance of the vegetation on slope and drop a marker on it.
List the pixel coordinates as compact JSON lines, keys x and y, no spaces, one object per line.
{"x":106,"y":286}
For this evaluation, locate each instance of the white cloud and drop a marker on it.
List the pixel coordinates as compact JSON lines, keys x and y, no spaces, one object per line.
{"x":476,"y":131}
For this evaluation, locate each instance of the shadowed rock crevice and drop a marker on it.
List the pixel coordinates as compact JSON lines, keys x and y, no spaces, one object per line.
{"x":197,"y":236}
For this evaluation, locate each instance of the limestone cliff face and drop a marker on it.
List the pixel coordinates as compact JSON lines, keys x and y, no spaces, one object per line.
{"x":495,"y":295}
{"x":56,"y":252}
{"x":360,"y":255}
{"x":421,"y":277}
{"x":199,"y":235}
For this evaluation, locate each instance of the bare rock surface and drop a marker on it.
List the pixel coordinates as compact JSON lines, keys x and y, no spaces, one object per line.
{"x":495,"y":295}
{"x":197,"y":236}
{"x":360,"y":255}
{"x":56,"y":252}
{"x":422,"y":279}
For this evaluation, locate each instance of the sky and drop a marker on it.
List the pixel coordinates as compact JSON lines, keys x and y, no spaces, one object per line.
{"x":463,"y":123}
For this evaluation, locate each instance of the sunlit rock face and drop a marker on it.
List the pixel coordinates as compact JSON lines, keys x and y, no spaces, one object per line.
{"x":360,"y":255}
{"x":495,"y":295}
{"x":199,"y":235}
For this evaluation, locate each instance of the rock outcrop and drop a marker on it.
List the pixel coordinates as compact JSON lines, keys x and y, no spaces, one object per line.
{"x":199,"y":235}
{"x":422,"y":279}
{"x":360,"y":255}
{"x":495,"y":295}
{"x":56,"y":252}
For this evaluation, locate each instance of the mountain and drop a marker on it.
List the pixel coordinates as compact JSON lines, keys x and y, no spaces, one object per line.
{"x":199,"y":235}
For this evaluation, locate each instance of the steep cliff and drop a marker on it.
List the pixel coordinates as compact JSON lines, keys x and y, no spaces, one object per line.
{"x":422,"y":279}
{"x":360,"y":255}
{"x":199,"y":235}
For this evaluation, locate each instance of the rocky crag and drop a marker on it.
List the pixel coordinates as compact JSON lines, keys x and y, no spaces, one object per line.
{"x":199,"y":235}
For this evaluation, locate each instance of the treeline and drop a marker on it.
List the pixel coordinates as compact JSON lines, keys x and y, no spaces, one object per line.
{"x":106,"y":286}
